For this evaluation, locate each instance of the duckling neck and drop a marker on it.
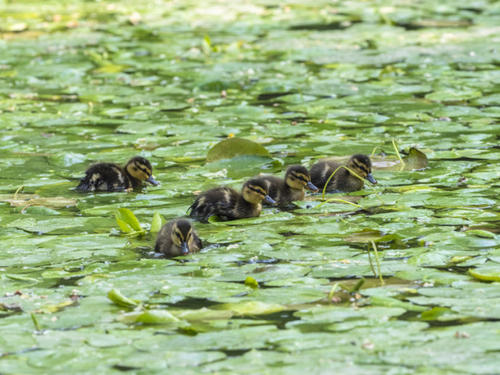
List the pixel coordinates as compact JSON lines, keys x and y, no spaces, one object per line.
{"x":133,"y":181}
{"x":348,"y":182}
{"x":246,"y":206}
{"x":294,"y":194}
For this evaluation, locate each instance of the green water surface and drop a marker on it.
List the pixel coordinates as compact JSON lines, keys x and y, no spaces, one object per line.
{"x":285,"y":293}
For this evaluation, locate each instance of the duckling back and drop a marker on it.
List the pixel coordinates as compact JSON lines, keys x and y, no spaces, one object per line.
{"x":220,"y":201}
{"x":104,"y":177}
{"x":228,"y":204}
{"x":177,"y":237}
{"x":112,"y":177}
{"x":291,"y":188}
{"x":343,"y":180}
{"x":281,"y":192}
{"x":276,"y":189}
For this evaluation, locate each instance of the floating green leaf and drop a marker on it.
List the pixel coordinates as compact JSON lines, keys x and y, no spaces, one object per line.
{"x":489,"y":272}
{"x":251,"y":282}
{"x":149,"y":317}
{"x":416,"y":159}
{"x":252,"y":308}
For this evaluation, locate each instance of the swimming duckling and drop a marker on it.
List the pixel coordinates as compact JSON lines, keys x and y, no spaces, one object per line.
{"x":177,"y":237}
{"x":228,"y":204}
{"x":343,"y":180}
{"x":112,"y":177}
{"x":291,"y":188}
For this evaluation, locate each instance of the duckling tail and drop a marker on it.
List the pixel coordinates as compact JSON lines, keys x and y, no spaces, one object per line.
{"x":83,"y":186}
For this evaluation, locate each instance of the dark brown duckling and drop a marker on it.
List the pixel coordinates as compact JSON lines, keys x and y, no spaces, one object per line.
{"x":228,"y":204}
{"x":343,"y":180}
{"x":112,"y":177}
{"x":291,"y":188}
{"x":177,"y":237}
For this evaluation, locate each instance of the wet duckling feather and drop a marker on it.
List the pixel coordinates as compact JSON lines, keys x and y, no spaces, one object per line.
{"x":112,"y":177}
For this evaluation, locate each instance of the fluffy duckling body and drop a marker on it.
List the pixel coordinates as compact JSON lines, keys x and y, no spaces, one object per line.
{"x":343,"y":180}
{"x":291,"y":188}
{"x":112,"y":177}
{"x":228,"y":204}
{"x":177,"y":237}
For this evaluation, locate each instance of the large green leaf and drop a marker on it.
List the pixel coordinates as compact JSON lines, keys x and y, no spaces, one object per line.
{"x":231,"y":147}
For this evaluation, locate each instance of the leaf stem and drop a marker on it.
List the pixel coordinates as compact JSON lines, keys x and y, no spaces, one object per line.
{"x":333,"y":173}
{"x":20,"y":188}
{"x":332,"y":291}
{"x":378,"y":263}
{"x":398,"y":154}
{"x":338,"y":200}
{"x":35,"y":322}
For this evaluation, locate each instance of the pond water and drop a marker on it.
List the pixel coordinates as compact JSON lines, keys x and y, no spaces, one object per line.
{"x":403,"y":281}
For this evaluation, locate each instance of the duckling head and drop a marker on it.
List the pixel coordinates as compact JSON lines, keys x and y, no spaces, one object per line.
{"x":297,"y":177}
{"x":362,"y":165}
{"x":255,"y":191}
{"x":141,"y":169}
{"x":181,"y":233}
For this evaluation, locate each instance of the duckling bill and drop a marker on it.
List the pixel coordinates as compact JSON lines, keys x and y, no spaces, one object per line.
{"x":228,"y":204}
{"x":291,"y":188}
{"x":177,"y":237}
{"x":342,"y":180}
{"x":112,"y":177}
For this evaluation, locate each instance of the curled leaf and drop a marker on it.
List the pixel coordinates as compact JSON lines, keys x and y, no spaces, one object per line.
{"x":127,"y":221}
{"x":157,"y":222}
{"x":119,"y":299}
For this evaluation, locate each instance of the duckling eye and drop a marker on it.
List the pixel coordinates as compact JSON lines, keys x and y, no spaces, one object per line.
{"x":258,"y":191}
{"x":300,"y":178}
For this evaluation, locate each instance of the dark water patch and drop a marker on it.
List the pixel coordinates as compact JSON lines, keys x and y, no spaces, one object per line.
{"x":435,"y":24}
{"x":273,"y":95}
{"x":338,"y":25}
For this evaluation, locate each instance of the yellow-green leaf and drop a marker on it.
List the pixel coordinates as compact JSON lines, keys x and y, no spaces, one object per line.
{"x":128,"y":217}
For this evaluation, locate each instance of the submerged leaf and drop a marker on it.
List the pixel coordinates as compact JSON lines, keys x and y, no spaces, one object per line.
{"x":25,"y":200}
{"x":416,"y":159}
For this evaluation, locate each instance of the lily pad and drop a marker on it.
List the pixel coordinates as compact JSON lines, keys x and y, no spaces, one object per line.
{"x":231,"y":147}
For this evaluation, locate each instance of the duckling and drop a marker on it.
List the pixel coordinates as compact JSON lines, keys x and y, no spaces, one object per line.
{"x":228,"y":204}
{"x":112,"y":177}
{"x":291,"y":188}
{"x":177,"y":237}
{"x":343,"y":180}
